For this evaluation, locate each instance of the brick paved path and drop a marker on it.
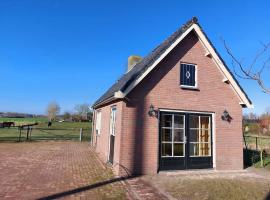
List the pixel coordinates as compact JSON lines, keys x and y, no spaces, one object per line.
{"x":144,"y":191}
{"x":63,"y":169}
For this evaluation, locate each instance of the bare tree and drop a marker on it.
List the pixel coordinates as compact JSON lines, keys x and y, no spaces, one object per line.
{"x":255,"y":70}
{"x":83,"y":110}
{"x":265,"y":121}
{"x":52,"y":110}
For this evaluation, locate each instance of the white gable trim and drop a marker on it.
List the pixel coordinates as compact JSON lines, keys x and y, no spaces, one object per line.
{"x":219,"y":63}
{"x":210,"y":50}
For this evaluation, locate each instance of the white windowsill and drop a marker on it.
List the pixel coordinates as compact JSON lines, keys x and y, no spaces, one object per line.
{"x":189,"y":87}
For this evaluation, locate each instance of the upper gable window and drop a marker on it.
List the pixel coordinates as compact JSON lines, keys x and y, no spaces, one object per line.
{"x":188,"y":76}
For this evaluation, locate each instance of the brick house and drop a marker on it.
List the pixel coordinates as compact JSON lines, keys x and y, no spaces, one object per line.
{"x":178,"y":108}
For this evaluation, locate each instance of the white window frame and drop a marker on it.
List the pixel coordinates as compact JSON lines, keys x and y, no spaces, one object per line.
{"x":111,"y":128}
{"x":209,"y":139}
{"x":98,"y":122}
{"x":196,"y":76}
{"x":113,"y":120}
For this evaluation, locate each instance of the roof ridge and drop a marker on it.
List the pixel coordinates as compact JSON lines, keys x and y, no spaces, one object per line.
{"x":125,"y":80}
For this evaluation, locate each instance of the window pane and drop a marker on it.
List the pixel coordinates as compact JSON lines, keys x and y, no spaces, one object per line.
{"x":178,"y":121}
{"x":200,"y":149}
{"x":98,"y":122}
{"x":187,"y":74}
{"x":166,"y":135}
{"x":194,"y":135}
{"x":205,"y":135}
{"x":178,"y":150}
{"x":178,"y":135}
{"x":112,"y":123}
{"x":166,"y":120}
{"x":205,"y":149}
{"x":167,"y":149}
{"x":199,"y":135}
{"x":193,"y":149}
{"x":182,"y":74}
{"x":194,"y":121}
{"x":192,"y":79}
{"x":204,"y":122}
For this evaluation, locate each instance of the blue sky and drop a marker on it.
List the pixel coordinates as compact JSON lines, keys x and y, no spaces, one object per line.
{"x":71,"y":51}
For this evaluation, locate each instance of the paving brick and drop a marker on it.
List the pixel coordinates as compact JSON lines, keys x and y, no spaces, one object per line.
{"x":40,"y":169}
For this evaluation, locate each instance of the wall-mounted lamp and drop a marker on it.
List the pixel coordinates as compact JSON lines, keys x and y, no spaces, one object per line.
{"x":152,"y":112}
{"x":226,"y":116}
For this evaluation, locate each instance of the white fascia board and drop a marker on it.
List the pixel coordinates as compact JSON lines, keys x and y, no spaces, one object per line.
{"x":136,"y":82}
{"x":227,"y":74}
{"x":215,"y":58}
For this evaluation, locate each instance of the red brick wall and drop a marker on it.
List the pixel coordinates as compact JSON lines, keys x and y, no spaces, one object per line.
{"x":101,"y":142}
{"x":139,"y":135}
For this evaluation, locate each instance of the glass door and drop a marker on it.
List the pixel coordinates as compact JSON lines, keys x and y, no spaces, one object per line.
{"x":172,"y":140}
{"x":185,"y":141}
{"x":199,"y":141}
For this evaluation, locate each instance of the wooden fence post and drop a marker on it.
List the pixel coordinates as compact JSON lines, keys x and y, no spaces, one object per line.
{"x":245,"y":140}
{"x":256,"y":143}
{"x":30,"y":133}
{"x":81,"y":132}
{"x":27,"y":133}
{"x":20,"y":133}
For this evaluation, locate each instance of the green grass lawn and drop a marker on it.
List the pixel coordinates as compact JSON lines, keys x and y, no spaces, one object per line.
{"x":19,"y":121}
{"x":266,"y":162}
{"x":212,"y":187}
{"x":58,"y":130}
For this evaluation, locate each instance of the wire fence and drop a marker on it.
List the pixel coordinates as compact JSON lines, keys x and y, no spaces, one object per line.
{"x":255,"y":142}
{"x":254,"y":146}
{"x":35,"y":133}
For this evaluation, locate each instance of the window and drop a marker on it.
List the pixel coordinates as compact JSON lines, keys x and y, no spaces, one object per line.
{"x":112,"y":121}
{"x":200,"y":136}
{"x":188,"y":76}
{"x":98,"y":122}
{"x":172,"y":135}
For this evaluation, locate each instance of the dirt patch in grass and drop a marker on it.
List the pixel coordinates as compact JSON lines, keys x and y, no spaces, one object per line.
{"x":213,"y":186}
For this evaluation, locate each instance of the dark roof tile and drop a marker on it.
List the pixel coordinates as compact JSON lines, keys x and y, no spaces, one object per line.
{"x":140,"y":67}
{"x":123,"y":83}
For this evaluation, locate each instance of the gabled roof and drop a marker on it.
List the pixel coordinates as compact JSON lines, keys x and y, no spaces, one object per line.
{"x":129,"y":80}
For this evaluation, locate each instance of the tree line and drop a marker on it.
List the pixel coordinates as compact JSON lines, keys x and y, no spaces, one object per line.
{"x":257,"y":124}
{"x":83,"y":113}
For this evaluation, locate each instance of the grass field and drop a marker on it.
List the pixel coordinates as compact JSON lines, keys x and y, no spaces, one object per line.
{"x":20,"y":121}
{"x":213,"y":186}
{"x":255,"y":144}
{"x":58,"y":130}
{"x":262,"y":142}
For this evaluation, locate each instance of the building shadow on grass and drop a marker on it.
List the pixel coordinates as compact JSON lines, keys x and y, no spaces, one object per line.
{"x":252,"y":157}
{"x":85,"y":188}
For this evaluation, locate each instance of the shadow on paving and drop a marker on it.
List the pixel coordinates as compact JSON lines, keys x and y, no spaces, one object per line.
{"x":85,"y":188}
